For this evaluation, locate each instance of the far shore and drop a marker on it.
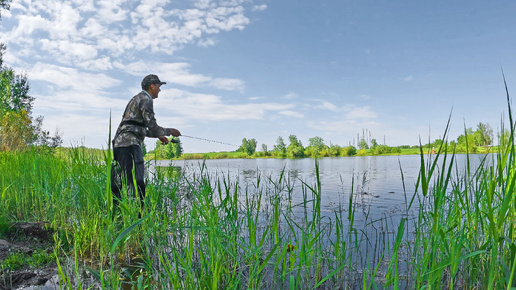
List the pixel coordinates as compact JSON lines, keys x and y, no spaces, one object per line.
{"x":272,"y":155}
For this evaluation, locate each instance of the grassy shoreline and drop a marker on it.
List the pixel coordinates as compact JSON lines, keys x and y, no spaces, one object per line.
{"x":205,"y":231}
{"x":260,"y":155}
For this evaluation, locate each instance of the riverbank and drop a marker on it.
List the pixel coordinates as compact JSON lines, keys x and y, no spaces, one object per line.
{"x":213,"y":231}
{"x":243,"y":155}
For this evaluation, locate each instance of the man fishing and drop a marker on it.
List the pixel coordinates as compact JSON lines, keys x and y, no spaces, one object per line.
{"x":137,"y":123}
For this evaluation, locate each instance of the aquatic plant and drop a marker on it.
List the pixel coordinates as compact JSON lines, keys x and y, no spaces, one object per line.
{"x":209,"y":230}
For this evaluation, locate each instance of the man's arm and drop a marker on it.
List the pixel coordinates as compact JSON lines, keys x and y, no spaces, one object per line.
{"x":153,"y":129}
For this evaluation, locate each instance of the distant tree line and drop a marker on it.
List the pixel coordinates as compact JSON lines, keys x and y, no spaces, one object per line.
{"x":295,"y":149}
{"x":470,"y":141}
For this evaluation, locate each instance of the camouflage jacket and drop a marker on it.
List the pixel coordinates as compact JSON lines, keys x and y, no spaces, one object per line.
{"x":138,"y":122}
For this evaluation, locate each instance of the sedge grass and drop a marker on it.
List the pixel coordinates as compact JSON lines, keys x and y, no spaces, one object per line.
{"x":207,"y":231}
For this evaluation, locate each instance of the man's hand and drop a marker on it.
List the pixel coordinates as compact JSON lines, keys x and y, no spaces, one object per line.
{"x":163,"y":139}
{"x":175,"y":132}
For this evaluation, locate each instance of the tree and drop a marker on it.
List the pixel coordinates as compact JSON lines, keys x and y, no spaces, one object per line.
{"x":363,"y":144}
{"x":248,"y":146}
{"x":264,"y":150}
{"x":348,"y":151}
{"x":315,"y":146}
{"x":16,"y":128}
{"x":466,"y":142}
{"x":4,"y":4}
{"x":295,"y":148}
{"x":174,"y":149}
{"x":483,"y":136}
{"x":334,"y":150}
{"x":280,"y":148}
{"x":169,"y":151}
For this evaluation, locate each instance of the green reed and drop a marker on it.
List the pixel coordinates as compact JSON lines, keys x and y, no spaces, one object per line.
{"x":204,"y":230}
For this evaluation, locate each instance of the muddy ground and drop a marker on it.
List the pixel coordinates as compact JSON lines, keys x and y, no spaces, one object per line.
{"x":27,"y":238}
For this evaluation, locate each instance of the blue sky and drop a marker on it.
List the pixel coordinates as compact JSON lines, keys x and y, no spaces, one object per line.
{"x":262,"y":69}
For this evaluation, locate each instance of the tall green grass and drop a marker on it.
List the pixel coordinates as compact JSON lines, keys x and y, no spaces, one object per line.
{"x":202,"y":230}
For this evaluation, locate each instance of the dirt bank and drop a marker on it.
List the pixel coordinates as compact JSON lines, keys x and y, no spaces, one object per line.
{"x":24,"y":240}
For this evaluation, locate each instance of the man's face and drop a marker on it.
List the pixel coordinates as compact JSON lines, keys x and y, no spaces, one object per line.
{"x":154,"y":90}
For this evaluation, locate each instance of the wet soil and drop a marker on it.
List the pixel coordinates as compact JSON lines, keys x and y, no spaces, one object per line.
{"x":26,"y":238}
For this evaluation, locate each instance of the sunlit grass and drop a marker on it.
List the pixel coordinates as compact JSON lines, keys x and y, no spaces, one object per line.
{"x":203,"y":230}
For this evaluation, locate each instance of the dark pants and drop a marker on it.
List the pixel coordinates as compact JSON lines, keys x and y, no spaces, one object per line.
{"x":127,"y":159}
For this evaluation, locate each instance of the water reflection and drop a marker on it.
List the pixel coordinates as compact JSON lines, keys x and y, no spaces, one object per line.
{"x":365,"y":197}
{"x":381,"y":185}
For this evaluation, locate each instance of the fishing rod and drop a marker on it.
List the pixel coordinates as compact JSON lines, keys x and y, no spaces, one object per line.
{"x":208,"y":140}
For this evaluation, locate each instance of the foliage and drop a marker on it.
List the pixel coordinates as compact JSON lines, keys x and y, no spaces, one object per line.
{"x":264,"y":150}
{"x":384,"y":149}
{"x":16,"y":129}
{"x":14,"y":92}
{"x":295,"y":148}
{"x":334,"y":150}
{"x":15,"y":261}
{"x":4,"y":4}
{"x":248,"y":146}
{"x":207,"y":230}
{"x":280,"y":148}
{"x":466,"y":142}
{"x":316,"y":147}
{"x":349,"y":151}
{"x":169,"y":151}
{"x":363,"y":144}
{"x":483,"y":136}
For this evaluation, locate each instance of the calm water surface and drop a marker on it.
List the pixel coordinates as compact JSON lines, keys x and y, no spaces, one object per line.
{"x":378,"y":184}
{"x":381,"y":187}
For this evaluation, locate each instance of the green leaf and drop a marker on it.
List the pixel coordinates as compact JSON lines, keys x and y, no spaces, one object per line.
{"x":126,"y":232}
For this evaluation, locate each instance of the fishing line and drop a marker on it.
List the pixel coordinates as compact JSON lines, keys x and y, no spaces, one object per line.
{"x":208,"y":140}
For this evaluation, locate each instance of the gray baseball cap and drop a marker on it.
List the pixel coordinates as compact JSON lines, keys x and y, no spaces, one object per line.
{"x":151,"y":80}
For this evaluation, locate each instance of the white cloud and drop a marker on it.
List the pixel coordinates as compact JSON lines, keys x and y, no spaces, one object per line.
{"x":353,"y":112}
{"x":259,"y":7}
{"x":179,"y":73}
{"x":76,"y":52}
{"x":345,"y":126}
{"x":228,"y":84}
{"x":206,"y":42}
{"x":290,"y":113}
{"x":290,"y":96}
{"x":327,"y":105}
{"x":408,"y":78}
{"x":65,"y":77}
{"x":78,"y":30}
{"x":209,"y":107}
{"x":350,"y":119}
{"x":66,"y":51}
{"x":111,"y":11}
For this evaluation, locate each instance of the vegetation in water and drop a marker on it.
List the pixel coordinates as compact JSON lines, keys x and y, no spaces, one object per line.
{"x":205,"y":230}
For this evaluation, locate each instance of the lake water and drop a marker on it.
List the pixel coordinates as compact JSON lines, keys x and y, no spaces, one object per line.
{"x":378,"y":186}
{"x":382,"y":186}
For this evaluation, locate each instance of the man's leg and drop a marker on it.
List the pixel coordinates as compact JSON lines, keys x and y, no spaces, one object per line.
{"x":124,"y":157}
{"x":116,"y":182}
{"x":139,"y":173}
{"x":130,"y":158}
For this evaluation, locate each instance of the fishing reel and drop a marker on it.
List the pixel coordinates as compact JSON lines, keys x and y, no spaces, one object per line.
{"x":173,"y":140}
